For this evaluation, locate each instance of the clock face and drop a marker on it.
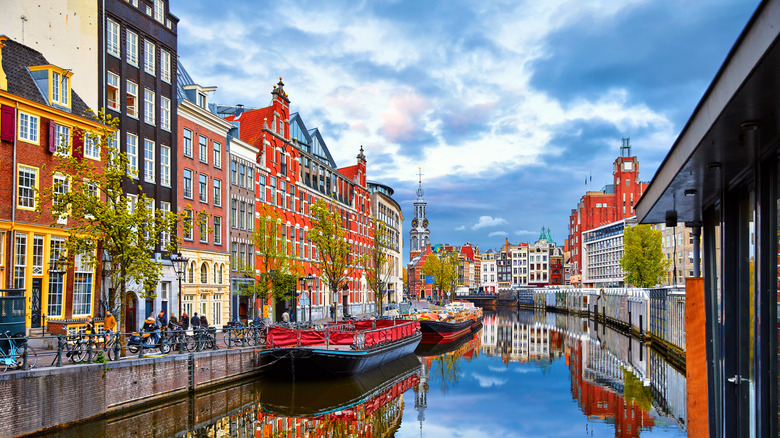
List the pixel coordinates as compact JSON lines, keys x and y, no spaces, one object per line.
{"x":425,"y":223}
{"x":414,"y":222}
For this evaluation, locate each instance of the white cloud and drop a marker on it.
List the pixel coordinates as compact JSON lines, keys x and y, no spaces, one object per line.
{"x":488,"y":381}
{"x":460,"y":228}
{"x":498,"y":233}
{"x":525,"y":232}
{"x":488,"y":221}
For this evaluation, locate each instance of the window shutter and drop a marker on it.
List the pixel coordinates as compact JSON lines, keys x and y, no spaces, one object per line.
{"x":78,"y":143}
{"x":7,"y":124}
{"x":52,"y":135}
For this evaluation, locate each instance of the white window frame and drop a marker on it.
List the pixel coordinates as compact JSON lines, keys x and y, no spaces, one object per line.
{"x":187,"y":142}
{"x":218,"y":230}
{"x":217,"y":184}
{"x":132,"y":93}
{"x":113,"y":100}
{"x":187,"y":187}
{"x":112,"y":38}
{"x":29,"y":127}
{"x":217,"y":146}
{"x":150,"y":55}
{"x":165,"y":165}
{"x":132,"y":155}
{"x":188,"y":224}
{"x":92,"y":147}
{"x":203,"y":149}
{"x":62,"y":133}
{"x":165,"y":113}
{"x":203,"y":187}
{"x":159,"y":11}
{"x":165,"y":238}
{"x":61,"y":185}
{"x":25,"y":194}
{"x":132,"y":48}
{"x":149,"y":115}
{"x":149,"y":174}
{"x":165,"y":66}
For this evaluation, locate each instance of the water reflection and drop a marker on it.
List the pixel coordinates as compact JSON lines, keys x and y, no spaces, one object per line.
{"x":522,"y":374}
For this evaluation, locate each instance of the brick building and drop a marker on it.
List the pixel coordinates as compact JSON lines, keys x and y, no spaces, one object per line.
{"x":598,"y":207}
{"x":41,"y":115}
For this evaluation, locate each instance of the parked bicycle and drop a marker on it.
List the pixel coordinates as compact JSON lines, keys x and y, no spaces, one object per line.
{"x":15,"y":354}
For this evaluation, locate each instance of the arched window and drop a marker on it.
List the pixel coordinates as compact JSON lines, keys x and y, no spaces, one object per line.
{"x":191,"y":276}
{"x":204,"y":273}
{"x":221,"y":266}
{"x":215,"y":274}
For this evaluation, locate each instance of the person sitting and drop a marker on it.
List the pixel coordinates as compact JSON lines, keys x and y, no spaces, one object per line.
{"x":161,"y":321}
{"x":109,"y":322}
{"x":151,"y":327}
{"x":173,"y":323}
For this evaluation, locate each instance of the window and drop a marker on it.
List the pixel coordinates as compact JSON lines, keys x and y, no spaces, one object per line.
{"x":60,"y":92}
{"x":148,"y":106}
{"x":165,"y":165}
{"x":82,"y":293}
{"x":56,"y":283}
{"x":62,"y":139}
{"x":261,"y":191}
{"x":186,"y":301}
{"x":149,"y":58}
{"x":204,"y":228}
{"x":217,"y":155}
{"x":37,"y":255}
{"x":112,"y":38}
{"x":132,"y":155}
{"x":217,"y":192}
{"x":187,"y":224}
{"x":20,"y":259}
{"x":250,"y":177}
{"x":187,"y":135}
{"x":91,"y":146}
{"x":217,"y":309}
{"x":28,"y":128}
{"x":61,"y":186}
{"x":204,"y":149}
{"x":112,"y":92}
{"x":191,"y":274}
{"x":217,"y":230}
{"x":250,"y":212}
{"x":148,"y":160}
{"x":233,"y":212}
{"x":165,"y":66}
{"x":132,"y":100}
{"x":233,"y":166}
{"x":165,"y":238}
{"x":27,"y":185}
{"x":241,"y":223}
{"x":159,"y":11}
{"x":201,"y":100}
{"x":204,"y":273}
{"x":165,"y":113}
{"x":203,"y":181}
{"x":241,"y":175}
{"x":132,"y":48}
{"x":188,"y":183}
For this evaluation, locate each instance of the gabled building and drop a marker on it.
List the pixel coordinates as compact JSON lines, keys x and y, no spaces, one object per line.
{"x":42,"y":119}
{"x":387,"y":210}
{"x":488,"y":284}
{"x":301,"y":170}
{"x":204,"y":201}
{"x":420,"y":287}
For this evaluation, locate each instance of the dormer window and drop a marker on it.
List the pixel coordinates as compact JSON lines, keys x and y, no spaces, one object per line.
{"x":202,"y":100}
{"x":54,"y":84}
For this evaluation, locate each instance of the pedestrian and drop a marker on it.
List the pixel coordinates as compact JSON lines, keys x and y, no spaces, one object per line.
{"x":162,"y":320}
{"x":185,"y":321}
{"x":195,"y":321}
{"x":285,"y":317}
{"x":173,"y":322}
{"x":109,"y":322}
{"x":204,"y":322}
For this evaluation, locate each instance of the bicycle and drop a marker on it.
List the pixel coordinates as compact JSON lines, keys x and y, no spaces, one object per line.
{"x":15,"y":355}
{"x":239,"y":334}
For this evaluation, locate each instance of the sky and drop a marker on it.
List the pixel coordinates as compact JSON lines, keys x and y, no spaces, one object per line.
{"x":507,"y":108}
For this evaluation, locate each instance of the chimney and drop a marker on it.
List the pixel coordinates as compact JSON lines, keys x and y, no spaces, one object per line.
{"x":239,"y":109}
{"x":3,"y":77}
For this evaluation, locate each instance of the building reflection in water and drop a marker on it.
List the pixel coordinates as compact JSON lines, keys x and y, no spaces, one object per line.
{"x":614,"y":377}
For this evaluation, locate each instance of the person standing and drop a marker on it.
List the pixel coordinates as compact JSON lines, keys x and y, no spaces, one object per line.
{"x":109,"y":322}
{"x":204,"y":323}
{"x":185,"y":321}
{"x":195,"y":321}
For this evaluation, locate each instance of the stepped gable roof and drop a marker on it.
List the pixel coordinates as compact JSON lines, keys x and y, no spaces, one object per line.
{"x":468,"y":252}
{"x":349,"y":171}
{"x":252,"y":123}
{"x":16,"y":58}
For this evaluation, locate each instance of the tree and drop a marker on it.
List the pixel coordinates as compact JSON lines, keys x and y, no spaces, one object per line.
{"x":376,"y":266}
{"x":444,"y":271}
{"x":643,"y":260}
{"x":334,"y":251}
{"x":275,"y":274}
{"x":103,"y":218}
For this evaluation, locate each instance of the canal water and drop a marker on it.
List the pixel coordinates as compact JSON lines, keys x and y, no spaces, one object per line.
{"x":524,"y":374}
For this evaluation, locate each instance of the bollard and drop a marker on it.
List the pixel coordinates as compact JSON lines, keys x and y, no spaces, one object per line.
{"x":59,"y":351}
{"x":198,"y":347}
{"x":89,"y":348}
{"x":117,"y":347}
{"x":141,"y":347}
{"x":24,"y":354}
{"x":182,"y":336}
{"x":214,"y":344}
{"x":230,"y":337}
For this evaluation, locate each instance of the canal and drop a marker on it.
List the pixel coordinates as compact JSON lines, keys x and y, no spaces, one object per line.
{"x":524,"y":374}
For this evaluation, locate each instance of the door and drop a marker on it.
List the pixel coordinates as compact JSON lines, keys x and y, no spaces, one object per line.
{"x":130,"y":314}
{"x":35,"y":312}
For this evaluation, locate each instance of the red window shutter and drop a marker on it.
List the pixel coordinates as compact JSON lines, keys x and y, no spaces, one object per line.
{"x":78,"y":143}
{"x":7,"y":124}
{"x":52,"y":135}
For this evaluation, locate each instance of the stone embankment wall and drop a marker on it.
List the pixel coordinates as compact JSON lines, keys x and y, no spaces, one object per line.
{"x":43,"y":398}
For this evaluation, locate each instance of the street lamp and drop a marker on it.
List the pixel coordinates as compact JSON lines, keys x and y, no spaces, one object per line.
{"x":309,"y":279}
{"x":179,"y":263}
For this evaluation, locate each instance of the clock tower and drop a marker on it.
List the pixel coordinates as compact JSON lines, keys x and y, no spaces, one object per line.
{"x":419,"y":235}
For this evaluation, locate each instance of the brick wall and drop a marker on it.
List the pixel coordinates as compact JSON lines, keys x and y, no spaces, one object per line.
{"x":49,"y":397}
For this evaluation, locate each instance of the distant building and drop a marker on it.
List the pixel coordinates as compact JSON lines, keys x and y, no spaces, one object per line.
{"x":602,"y":253}
{"x":599,"y":207}
{"x":386,"y":209}
{"x":488,"y":271}
{"x":419,"y":287}
{"x":419,"y":235}
{"x":677,"y":246}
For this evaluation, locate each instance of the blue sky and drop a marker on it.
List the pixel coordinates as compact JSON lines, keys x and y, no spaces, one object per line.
{"x":507,"y":106}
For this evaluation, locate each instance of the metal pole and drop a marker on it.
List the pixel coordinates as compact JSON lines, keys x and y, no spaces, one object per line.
{"x":310,"y":302}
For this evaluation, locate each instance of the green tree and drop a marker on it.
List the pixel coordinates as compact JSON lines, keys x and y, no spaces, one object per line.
{"x":275,"y":272}
{"x":376,"y":267}
{"x":443,"y":269}
{"x":102,"y":218}
{"x":643,"y":260}
{"x":334,"y":253}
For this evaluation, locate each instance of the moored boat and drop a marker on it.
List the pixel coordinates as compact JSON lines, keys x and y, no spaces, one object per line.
{"x":337,"y":350}
{"x":450,"y":322}
{"x":434,"y":347}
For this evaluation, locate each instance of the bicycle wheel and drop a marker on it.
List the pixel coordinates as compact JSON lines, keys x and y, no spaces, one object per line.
{"x":32,"y":358}
{"x":77,"y":352}
{"x":132,"y":348}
